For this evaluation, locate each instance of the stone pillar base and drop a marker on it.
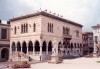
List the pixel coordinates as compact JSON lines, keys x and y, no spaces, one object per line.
{"x":55,"y":59}
{"x":95,"y":54}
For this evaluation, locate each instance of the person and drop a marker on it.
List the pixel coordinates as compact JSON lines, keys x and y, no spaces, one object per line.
{"x":29,"y":58}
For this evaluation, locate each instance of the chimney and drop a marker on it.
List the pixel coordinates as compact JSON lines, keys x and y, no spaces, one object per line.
{"x":8,"y":22}
{"x":0,"y":21}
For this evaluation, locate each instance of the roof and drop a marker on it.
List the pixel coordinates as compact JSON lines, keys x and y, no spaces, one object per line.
{"x":97,"y":26}
{"x":45,"y":14}
{"x":85,"y":33}
{"x":4,"y":24}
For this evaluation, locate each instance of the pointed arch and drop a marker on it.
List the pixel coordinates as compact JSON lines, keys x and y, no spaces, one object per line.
{"x":75,"y":45}
{"x":34,"y":27}
{"x":26,"y":27}
{"x":59,"y":46}
{"x":24,"y":47}
{"x":13,"y":46}
{"x":18,"y":46}
{"x":71,"y":45}
{"x":50,"y":46}
{"x":48,"y":27}
{"x":44,"y":46}
{"x":37,"y":46}
{"x":21,"y":28}
{"x":30,"y":46}
{"x":15,"y":30}
{"x":5,"y":54}
{"x":52,"y":28}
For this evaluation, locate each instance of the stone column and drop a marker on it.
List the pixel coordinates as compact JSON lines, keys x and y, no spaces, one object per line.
{"x":56,"y":50}
{"x":16,"y":49}
{"x":47,"y":50}
{"x":21,"y":48}
{"x":33,"y":50}
{"x":27,"y":48}
{"x":40,"y":50}
{"x":52,"y":50}
{"x":10,"y":56}
{"x":95,"y":48}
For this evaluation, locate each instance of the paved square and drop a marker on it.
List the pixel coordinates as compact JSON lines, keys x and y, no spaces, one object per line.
{"x":78,"y":63}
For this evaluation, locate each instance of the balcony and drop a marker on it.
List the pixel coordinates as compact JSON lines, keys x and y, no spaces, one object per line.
{"x":67,"y":36}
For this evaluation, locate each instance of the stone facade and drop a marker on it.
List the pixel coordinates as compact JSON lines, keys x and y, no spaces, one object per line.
{"x":43,"y":33}
{"x":87,"y":42}
{"x":4,"y":41}
{"x":96,"y":36}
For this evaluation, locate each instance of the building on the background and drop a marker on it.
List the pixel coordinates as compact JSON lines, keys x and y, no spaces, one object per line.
{"x":42,"y":33}
{"x":96,"y":37}
{"x":87,"y":38}
{"x":4,"y":41}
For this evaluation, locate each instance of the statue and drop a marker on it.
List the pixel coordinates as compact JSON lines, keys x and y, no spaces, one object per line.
{"x":54,"y":51}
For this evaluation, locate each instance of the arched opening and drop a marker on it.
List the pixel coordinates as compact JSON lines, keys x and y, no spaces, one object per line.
{"x":13,"y":46}
{"x":71,"y":46}
{"x":75,"y":45}
{"x":48,"y":27}
{"x":52,"y":28}
{"x":18,"y":46}
{"x":30,"y":46}
{"x":21,"y":28}
{"x":50,"y":46}
{"x":59,"y":46}
{"x":37,"y":46}
{"x":34,"y":27}
{"x":78,"y":45}
{"x":4,"y":54}
{"x":24,"y":47}
{"x":15,"y":30}
{"x":44,"y":46}
{"x":26,"y":28}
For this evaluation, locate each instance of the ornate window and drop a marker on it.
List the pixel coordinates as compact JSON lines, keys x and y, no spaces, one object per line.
{"x":34,"y":27}
{"x":15,"y":30}
{"x":67,"y":31}
{"x":77,"y":33}
{"x":21,"y":28}
{"x":48,"y":27}
{"x":3,"y":33}
{"x":26,"y":28}
{"x":63,"y":30}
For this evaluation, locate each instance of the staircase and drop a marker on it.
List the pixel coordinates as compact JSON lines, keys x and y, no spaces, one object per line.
{"x":30,"y":57}
{"x":24,"y":57}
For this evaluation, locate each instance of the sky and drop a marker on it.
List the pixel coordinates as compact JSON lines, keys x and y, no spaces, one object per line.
{"x":85,"y":12}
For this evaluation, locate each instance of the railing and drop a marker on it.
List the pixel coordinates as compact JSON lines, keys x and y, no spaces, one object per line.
{"x":67,"y":36}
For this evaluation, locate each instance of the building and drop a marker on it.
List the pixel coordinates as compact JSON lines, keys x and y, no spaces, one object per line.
{"x":43,"y":33}
{"x":87,"y":42}
{"x":4,"y":41}
{"x":96,"y":36}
